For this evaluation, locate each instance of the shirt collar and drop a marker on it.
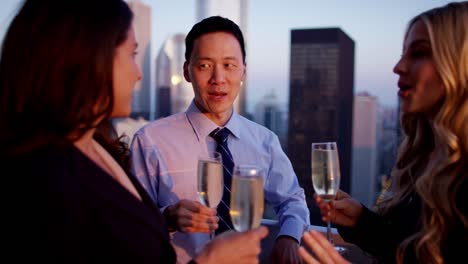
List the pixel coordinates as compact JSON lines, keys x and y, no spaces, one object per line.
{"x":203,"y":125}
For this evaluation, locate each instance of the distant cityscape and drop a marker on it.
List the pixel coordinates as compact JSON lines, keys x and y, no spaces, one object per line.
{"x":322,"y":106}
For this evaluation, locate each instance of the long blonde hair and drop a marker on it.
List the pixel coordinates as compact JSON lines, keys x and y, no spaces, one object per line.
{"x":433,"y":158}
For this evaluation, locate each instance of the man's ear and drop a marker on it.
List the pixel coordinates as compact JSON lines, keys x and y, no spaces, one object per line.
{"x":244,"y":73}
{"x":186,"y":72}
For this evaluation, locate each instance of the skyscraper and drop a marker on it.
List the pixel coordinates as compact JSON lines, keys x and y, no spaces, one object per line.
{"x":364,"y":165}
{"x":174,"y":93}
{"x":320,"y":101}
{"x":141,"y":104}
{"x":235,"y":10}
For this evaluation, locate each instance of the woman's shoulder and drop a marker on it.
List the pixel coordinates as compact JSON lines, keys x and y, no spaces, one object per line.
{"x":37,"y":157}
{"x":42,"y":166}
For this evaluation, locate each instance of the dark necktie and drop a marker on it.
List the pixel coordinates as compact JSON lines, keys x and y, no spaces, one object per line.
{"x":221,"y":137}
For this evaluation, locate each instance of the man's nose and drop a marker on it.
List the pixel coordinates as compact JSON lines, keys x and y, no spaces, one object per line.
{"x":218,"y":75}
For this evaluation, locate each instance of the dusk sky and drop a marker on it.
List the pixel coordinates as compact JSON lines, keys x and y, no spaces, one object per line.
{"x":377,"y":28}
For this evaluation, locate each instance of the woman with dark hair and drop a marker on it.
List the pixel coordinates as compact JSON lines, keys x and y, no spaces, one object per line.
{"x":425,"y":220}
{"x":67,"y":67}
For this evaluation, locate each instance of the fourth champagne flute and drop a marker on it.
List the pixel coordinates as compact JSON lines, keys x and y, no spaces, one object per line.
{"x":246,"y":208}
{"x":326,"y":176}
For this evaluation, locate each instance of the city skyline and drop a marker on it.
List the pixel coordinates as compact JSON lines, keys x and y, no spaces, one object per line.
{"x":142,"y":105}
{"x":174,"y":94}
{"x":377,"y":29}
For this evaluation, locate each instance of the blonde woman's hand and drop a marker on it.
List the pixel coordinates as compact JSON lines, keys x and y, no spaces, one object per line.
{"x":324,"y":251}
{"x":343,"y":210}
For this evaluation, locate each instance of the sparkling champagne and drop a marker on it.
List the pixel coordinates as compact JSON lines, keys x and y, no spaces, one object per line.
{"x":326,"y":177}
{"x":210,"y":182}
{"x":325,"y":173}
{"x":246,"y":202}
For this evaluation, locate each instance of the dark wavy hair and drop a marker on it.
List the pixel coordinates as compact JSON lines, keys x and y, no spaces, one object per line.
{"x":210,"y":25}
{"x":56,"y":71}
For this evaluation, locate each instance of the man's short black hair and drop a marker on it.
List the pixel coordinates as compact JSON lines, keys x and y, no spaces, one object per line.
{"x":210,"y":25}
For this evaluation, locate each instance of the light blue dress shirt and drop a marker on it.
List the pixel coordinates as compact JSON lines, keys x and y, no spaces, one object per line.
{"x":164,"y":158}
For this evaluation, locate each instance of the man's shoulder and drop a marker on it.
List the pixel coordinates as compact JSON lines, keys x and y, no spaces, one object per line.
{"x":164,"y":125}
{"x":256,"y":128}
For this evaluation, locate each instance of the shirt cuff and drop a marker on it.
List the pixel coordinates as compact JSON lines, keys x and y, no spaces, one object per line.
{"x":364,"y":225}
{"x":292,"y":228}
{"x":170,"y":226}
{"x":367,"y":217}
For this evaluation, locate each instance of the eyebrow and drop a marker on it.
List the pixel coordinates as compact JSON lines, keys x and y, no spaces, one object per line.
{"x":419,"y":42}
{"x":224,"y":58}
{"x":231,"y":58}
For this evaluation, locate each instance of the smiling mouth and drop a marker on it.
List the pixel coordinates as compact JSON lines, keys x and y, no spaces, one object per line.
{"x":217,"y":94}
{"x":404,"y":89}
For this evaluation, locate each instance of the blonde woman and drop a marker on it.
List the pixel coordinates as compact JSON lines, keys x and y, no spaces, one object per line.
{"x":425,"y":220}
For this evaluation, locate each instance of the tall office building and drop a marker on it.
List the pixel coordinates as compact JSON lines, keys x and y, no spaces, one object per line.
{"x":364,"y":165}
{"x":141,"y":104}
{"x":320,"y":101}
{"x":237,"y":11}
{"x":174,"y":93}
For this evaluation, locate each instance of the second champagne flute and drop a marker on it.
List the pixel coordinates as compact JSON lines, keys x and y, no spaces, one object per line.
{"x":210,"y":180}
{"x":326,"y":176}
{"x":246,"y":208}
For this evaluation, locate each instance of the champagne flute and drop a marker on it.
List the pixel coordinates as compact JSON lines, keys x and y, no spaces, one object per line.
{"x":246,"y":207}
{"x":210,"y":180}
{"x":326,"y":176}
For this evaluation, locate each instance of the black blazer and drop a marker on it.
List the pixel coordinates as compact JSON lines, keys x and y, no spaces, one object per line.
{"x":72,"y":211}
{"x":381,"y":235}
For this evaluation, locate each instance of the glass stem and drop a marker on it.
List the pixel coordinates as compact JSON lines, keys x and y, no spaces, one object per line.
{"x":329,"y":237}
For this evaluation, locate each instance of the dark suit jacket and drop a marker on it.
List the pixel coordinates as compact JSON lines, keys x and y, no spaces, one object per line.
{"x":70,"y":210}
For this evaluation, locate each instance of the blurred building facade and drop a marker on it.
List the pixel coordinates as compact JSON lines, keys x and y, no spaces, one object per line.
{"x":174,"y":93}
{"x":269,"y":113}
{"x":237,"y":11}
{"x":320,"y":102}
{"x":389,"y":139}
{"x":141,"y":104}
{"x":365,"y":154}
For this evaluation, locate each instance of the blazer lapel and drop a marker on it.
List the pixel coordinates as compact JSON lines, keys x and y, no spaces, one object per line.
{"x":105,"y":186}
{"x":149,"y":202}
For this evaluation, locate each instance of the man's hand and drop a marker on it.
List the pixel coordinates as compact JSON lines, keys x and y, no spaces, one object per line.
{"x":189,"y":216}
{"x":285,"y":250}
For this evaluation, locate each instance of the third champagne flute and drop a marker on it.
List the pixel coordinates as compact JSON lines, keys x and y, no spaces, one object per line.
{"x":246,"y":207}
{"x":210,"y":180}
{"x":326,"y":176}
